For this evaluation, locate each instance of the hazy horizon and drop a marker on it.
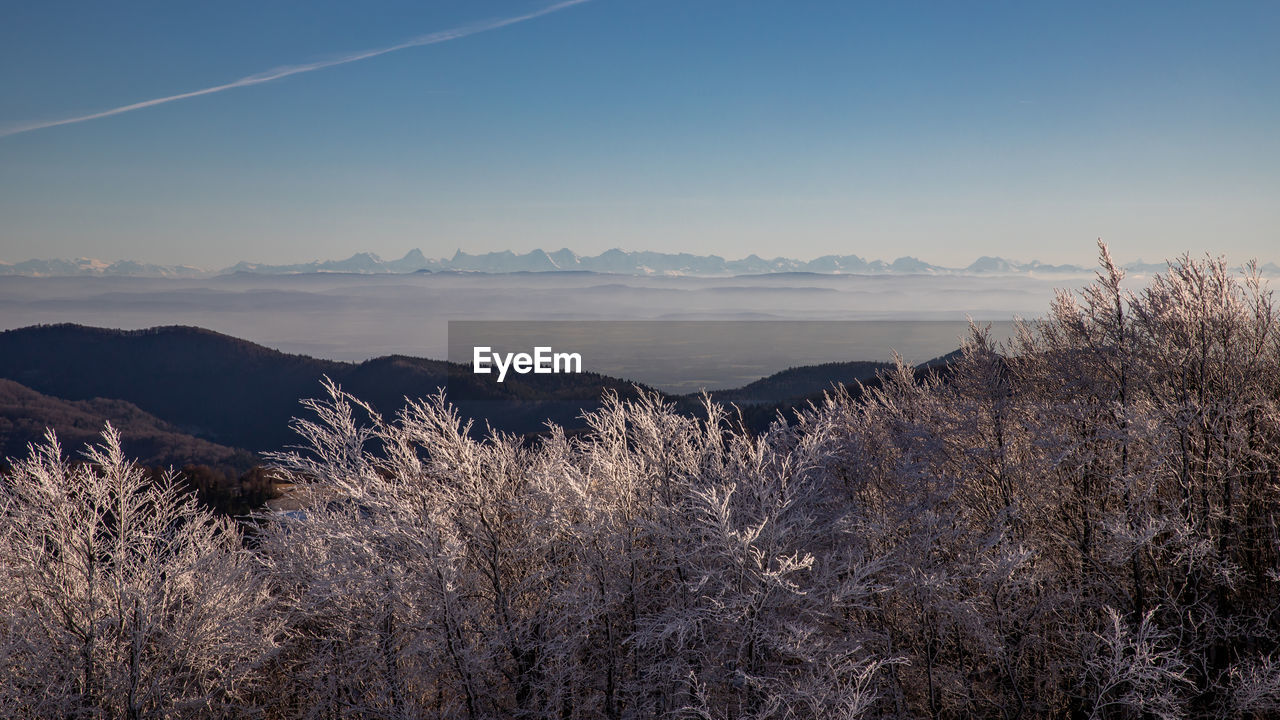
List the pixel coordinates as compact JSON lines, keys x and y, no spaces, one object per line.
{"x":357,"y":317}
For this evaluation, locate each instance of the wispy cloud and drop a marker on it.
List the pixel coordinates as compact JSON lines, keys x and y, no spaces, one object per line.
{"x":284,"y":72}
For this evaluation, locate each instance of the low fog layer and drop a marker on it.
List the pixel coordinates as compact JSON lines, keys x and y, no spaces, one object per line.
{"x":356,"y":317}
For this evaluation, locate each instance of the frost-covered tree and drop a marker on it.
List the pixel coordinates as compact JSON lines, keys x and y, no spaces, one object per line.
{"x":121,"y":597}
{"x":660,"y":565}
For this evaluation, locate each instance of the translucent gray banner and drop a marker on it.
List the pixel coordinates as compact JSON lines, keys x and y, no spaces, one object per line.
{"x":688,"y":356}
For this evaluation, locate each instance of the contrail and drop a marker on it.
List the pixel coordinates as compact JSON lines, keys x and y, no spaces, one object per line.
{"x":283,"y":72}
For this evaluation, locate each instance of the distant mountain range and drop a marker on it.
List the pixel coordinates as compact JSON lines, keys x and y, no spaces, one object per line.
{"x":564,"y":260}
{"x":91,"y":267}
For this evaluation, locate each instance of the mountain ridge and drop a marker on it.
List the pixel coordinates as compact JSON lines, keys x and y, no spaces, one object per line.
{"x":238,"y":394}
{"x":613,"y":261}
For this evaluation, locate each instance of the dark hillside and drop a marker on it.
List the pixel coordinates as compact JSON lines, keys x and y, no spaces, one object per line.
{"x":207,"y":384}
{"x":235,"y":392}
{"x":25,"y":414}
{"x":798,"y":382}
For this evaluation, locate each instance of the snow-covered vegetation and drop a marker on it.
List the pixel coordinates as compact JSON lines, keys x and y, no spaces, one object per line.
{"x":1082,"y":524}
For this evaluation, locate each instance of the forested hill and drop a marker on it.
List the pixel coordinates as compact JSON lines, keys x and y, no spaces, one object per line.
{"x":207,"y":384}
{"x":237,"y":393}
{"x":25,"y":414}
{"x":799,"y":382}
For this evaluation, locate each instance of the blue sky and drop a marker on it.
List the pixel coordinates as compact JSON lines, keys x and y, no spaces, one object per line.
{"x":941,"y":130}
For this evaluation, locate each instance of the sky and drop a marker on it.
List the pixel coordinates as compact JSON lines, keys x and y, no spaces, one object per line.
{"x":940,"y":130}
